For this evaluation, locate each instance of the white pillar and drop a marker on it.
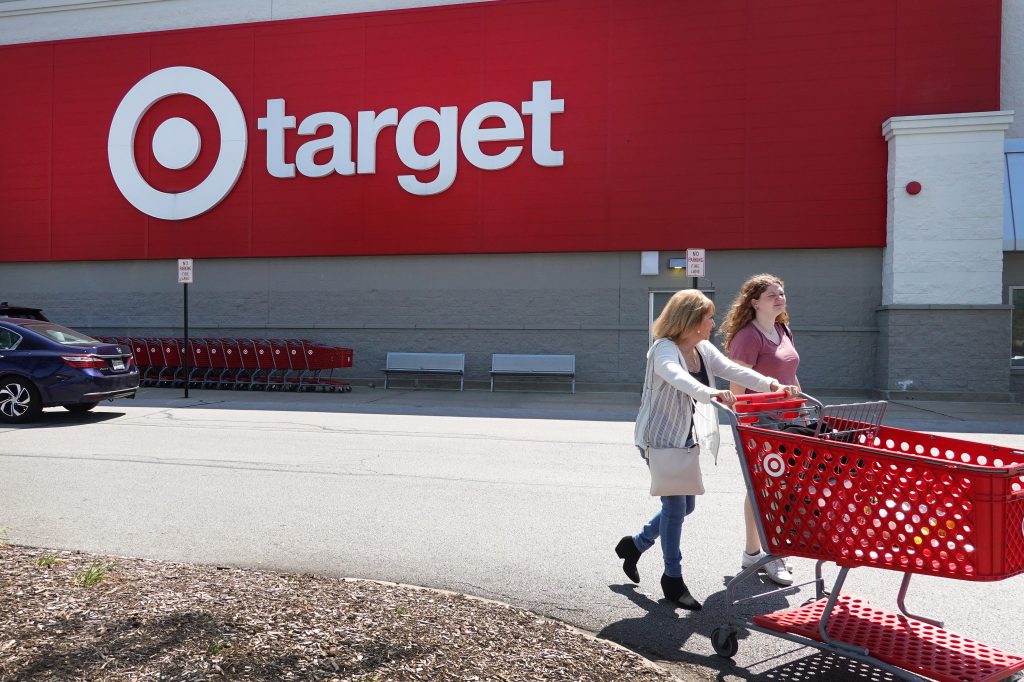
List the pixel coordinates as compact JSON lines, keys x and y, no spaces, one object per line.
{"x":945,"y":244}
{"x":943,"y":331}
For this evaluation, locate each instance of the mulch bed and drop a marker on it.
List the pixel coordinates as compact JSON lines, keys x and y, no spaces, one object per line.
{"x":154,"y":620}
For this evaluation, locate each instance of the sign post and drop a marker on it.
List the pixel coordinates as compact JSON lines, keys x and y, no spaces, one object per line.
{"x":695,"y":264}
{"x":185,"y":278}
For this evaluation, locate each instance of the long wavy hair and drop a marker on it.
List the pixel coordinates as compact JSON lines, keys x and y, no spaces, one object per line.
{"x":742,"y":311}
{"x":682,"y":314}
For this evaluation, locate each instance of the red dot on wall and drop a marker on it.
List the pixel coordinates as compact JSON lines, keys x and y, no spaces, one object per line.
{"x":913,"y":187}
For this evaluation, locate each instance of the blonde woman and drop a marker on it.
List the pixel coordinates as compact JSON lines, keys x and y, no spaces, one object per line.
{"x":757,"y":335}
{"x":683,"y":365}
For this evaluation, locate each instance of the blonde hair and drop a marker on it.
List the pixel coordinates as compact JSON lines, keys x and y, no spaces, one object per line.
{"x":742,"y":311}
{"x":682,"y":314}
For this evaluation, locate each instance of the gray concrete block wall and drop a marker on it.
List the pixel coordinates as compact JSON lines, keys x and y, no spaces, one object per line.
{"x":592,"y":305}
{"x":836,"y":360}
{"x":958,"y":351}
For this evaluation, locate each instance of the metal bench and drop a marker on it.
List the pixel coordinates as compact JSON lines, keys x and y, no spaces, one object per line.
{"x":510,"y":365}
{"x":426,"y":363}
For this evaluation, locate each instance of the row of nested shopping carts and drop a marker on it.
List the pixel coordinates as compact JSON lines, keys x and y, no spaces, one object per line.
{"x":831,"y":483}
{"x":238,"y":363}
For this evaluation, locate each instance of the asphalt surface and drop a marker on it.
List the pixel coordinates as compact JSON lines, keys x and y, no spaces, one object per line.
{"x":518,"y":497}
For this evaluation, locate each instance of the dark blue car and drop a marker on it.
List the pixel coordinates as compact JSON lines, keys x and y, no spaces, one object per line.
{"x":43,"y":364}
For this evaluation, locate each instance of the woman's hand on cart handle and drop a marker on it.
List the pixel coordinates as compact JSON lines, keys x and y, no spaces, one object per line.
{"x":790,"y":391}
{"x":725,"y":397}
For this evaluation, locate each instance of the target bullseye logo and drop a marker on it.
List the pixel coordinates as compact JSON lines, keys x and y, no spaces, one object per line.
{"x":352,"y":143}
{"x":176,"y":143}
{"x":774,"y":465}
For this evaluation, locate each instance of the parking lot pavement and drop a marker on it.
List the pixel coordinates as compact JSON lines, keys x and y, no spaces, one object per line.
{"x":591,"y":406}
{"x":920,"y":415}
{"x":513,"y":496}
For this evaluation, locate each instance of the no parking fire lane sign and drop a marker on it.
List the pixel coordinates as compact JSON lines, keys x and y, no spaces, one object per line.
{"x":184,"y":271}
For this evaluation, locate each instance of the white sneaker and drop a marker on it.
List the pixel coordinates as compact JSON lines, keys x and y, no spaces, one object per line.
{"x":777,"y":571}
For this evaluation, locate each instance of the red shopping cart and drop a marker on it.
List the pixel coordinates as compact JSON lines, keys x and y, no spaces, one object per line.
{"x":831,"y":483}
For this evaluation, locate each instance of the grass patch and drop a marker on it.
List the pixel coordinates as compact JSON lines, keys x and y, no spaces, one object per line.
{"x":92,"y":574}
{"x":4,"y":538}
{"x":47,"y":561}
{"x":216,"y":648}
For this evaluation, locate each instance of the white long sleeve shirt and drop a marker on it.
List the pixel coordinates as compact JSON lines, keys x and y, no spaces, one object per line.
{"x":666,"y":408}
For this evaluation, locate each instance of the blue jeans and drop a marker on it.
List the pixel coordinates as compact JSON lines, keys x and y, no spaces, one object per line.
{"x":668,"y":523}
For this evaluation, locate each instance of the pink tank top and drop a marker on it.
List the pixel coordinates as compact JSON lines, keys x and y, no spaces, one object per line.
{"x":779,"y":360}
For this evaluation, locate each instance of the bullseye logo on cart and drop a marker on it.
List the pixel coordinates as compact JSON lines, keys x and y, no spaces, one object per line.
{"x":350,"y":148}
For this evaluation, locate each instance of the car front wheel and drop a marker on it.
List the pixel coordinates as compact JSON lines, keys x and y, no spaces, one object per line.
{"x":80,"y":407}
{"x":19,"y":401}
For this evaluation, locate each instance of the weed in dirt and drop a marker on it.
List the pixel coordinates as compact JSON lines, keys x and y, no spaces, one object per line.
{"x":47,"y":561}
{"x":92,"y":574}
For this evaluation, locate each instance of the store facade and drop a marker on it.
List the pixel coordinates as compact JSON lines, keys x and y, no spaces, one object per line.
{"x":486,"y":177}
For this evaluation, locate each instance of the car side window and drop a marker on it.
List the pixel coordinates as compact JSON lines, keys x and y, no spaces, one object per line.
{"x":8,"y":339}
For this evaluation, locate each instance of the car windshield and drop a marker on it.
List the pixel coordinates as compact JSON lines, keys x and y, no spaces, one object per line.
{"x":60,"y":334}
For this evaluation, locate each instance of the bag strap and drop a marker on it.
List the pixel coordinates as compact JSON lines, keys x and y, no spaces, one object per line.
{"x":693,"y":401}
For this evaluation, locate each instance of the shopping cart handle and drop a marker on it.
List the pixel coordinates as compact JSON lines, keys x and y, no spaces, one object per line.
{"x":759,"y":397}
{"x":770,"y":405}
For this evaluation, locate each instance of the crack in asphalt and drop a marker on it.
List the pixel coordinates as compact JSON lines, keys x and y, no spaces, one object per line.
{"x":235,"y":465}
{"x":174,"y":421}
{"x":364,"y":464}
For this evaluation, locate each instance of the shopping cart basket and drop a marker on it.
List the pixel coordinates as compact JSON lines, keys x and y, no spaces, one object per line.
{"x":833,"y":484}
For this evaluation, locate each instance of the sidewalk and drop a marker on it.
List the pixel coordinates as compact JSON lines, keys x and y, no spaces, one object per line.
{"x":919,"y":415}
{"x":450,"y":403}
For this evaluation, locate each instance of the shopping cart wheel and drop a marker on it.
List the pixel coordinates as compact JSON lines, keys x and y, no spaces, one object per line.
{"x":723,"y":639}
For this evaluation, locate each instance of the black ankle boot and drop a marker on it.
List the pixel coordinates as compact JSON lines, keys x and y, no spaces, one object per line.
{"x":627,"y":551}
{"x":676,"y":592}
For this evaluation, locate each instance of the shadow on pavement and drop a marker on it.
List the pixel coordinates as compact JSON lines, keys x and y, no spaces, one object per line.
{"x":981,"y":425}
{"x":663,"y":632}
{"x":619,"y":406}
{"x":57,"y":418}
{"x":584,"y":406}
{"x":822,"y":667}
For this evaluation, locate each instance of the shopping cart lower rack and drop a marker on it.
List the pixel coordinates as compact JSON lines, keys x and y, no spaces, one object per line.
{"x":833,"y":484}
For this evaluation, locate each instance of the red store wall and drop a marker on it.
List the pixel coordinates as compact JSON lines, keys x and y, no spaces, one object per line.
{"x":735,"y":124}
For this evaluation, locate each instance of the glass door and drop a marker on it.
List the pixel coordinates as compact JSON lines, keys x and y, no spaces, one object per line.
{"x":656,"y":303}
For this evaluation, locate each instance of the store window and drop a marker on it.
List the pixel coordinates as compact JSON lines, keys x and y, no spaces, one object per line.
{"x":1017,"y":341}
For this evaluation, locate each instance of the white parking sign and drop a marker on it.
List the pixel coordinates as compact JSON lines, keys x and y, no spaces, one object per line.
{"x":184,"y":271}
{"x":695,"y":262}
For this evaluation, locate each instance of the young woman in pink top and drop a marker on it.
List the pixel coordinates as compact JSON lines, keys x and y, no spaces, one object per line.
{"x":757,"y":335}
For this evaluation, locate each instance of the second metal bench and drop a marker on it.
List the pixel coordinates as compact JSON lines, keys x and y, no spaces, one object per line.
{"x":525,"y":365}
